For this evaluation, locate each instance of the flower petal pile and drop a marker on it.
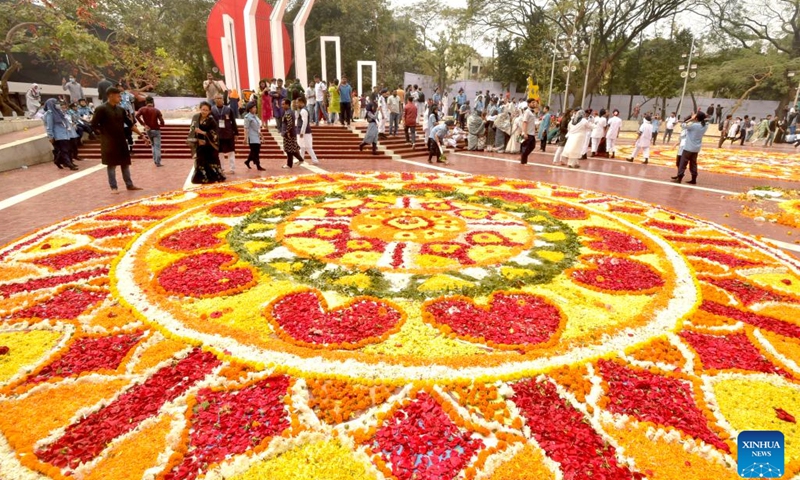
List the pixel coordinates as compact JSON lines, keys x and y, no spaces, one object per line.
{"x":393,"y":326}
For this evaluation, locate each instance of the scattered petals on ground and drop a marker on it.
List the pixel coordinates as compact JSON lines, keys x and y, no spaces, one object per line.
{"x":393,"y":326}
{"x":730,"y":161}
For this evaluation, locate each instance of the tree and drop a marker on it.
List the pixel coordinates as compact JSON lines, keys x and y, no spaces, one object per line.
{"x":658,"y":74}
{"x":510,"y":63}
{"x":745,"y":73}
{"x":55,"y":32}
{"x":172,"y":52}
{"x":615,"y":23}
{"x":446,"y":57}
{"x":751,"y":24}
{"x":770,"y":34}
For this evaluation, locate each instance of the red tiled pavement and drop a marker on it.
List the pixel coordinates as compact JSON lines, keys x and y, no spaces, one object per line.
{"x":91,"y":192}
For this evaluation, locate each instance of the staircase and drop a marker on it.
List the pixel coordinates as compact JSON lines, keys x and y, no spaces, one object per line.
{"x":333,"y":142}
{"x":397,"y":144}
{"x":330,"y":143}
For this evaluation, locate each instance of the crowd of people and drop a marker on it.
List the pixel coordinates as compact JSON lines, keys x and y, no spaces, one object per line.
{"x":487,"y":122}
{"x":116,"y":120}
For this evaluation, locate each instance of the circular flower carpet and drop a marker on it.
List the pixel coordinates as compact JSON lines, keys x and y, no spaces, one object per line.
{"x":379,"y":325}
{"x":731,"y":161}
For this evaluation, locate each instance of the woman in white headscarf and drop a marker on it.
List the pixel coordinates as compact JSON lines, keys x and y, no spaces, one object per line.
{"x":33,"y":100}
{"x":516,"y":130}
{"x":579,"y":128}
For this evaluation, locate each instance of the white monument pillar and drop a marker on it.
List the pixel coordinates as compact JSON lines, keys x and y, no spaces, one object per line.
{"x":299,"y":27}
{"x":361,"y":64}
{"x":251,"y":38}
{"x":276,"y":36}
{"x":229,"y":58}
{"x":337,"y":42}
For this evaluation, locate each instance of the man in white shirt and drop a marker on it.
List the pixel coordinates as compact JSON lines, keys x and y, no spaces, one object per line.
{"x":670,"y":127}
{"x":311,"y":101}
{"x":319,"y":94}
{"x":393,"y":102}
{"x":612,"y":133}
{"x":305,"y":139}
{"x":383,"y":113}
{"x":528,"y":131}
{"x":599,"y":130}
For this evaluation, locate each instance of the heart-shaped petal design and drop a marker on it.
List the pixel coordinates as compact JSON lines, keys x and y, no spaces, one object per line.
{"x":194,"y":238}
{"x":206,"y":274}
{"x":510,"y":321}
{"x":617,"y":275}
{"x":614,"y":241}
{"x":304,"y":318}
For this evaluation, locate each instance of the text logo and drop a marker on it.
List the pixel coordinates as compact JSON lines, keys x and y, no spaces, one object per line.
{"x":761,"y":454}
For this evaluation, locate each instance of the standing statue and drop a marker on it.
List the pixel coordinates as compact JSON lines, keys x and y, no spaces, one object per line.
{"x":532,"y":90}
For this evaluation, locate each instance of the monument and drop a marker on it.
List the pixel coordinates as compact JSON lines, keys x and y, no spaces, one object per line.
{"x":249,"y":42}
{"x":241,"y":41}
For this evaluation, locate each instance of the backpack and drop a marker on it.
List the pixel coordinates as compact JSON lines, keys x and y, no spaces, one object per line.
{"x":420,"y":96}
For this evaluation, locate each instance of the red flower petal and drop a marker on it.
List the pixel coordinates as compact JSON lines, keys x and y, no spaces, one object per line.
{"x":784,"y":415}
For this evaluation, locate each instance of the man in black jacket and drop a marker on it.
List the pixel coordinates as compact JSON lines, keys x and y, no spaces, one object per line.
{"x":228,"y":131}
{"x":109,"y":122}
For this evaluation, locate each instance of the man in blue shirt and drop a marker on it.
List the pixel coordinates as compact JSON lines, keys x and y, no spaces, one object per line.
{"x":695,"y":129}
{"x":345,"y":101}
{"x":437,"y":98}
{"x":461,"y":98}
{"x":85,"y":110}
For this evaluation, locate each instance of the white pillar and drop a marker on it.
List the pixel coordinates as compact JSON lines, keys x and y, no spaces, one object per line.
{"x":251,"y":37}
{"x":361,"y":64}
{"x":299,"y":27}
{"x":229,"y":59}
{"x":276,"y":36}
{"x":337,"y":43}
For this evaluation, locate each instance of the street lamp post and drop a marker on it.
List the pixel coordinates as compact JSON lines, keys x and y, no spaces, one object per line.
{"x":552,"y":73}
{"x":588,"y":64}
{"x":568,"y":68}
{"x":685,"y":76}
{"x":553,"y":70}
